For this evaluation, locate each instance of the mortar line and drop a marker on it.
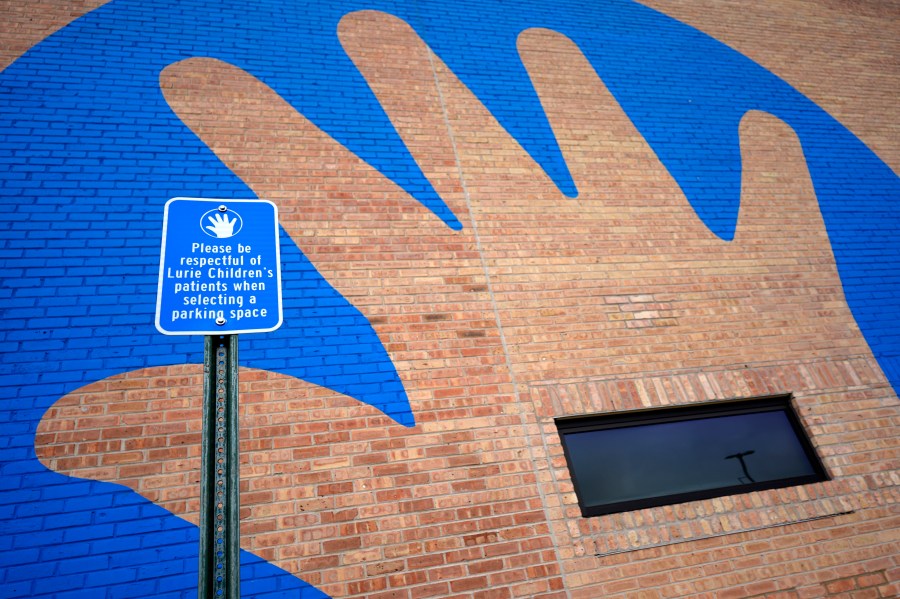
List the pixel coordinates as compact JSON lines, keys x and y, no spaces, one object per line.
{"x":506,"y":355}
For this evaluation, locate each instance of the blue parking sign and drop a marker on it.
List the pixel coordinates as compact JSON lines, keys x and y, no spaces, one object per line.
{"x":219,"y":268}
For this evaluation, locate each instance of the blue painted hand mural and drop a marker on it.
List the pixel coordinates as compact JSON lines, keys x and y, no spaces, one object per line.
{"x":90,"y":148}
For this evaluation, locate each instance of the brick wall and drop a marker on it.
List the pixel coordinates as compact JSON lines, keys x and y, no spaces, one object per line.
{"x":448,"y":293}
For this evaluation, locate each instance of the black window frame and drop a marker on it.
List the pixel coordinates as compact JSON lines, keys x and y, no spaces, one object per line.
{"x":666,"y":414}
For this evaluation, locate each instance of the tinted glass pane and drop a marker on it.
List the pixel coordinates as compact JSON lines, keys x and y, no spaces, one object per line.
{"x":654,"y":460}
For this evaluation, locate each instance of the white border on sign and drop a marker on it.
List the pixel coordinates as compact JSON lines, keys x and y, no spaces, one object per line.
{"x":162,"y":262}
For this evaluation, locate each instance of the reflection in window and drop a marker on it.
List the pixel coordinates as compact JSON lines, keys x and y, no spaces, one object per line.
{"x":631,"y":460}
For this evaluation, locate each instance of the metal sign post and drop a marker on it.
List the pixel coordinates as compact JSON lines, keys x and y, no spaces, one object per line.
{"x":219,"y":275}
{"x":220,"y":501}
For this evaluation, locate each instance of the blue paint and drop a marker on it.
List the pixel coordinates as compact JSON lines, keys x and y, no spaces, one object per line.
{"x":90,"y":152}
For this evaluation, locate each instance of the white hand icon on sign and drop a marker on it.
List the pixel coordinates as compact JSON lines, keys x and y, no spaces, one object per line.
{"x":222,"y":226}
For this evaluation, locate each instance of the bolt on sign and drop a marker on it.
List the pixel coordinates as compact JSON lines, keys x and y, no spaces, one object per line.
{"x":220,"y":268}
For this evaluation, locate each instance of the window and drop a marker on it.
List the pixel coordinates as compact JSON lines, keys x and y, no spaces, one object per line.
{"x":644,"y":458}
